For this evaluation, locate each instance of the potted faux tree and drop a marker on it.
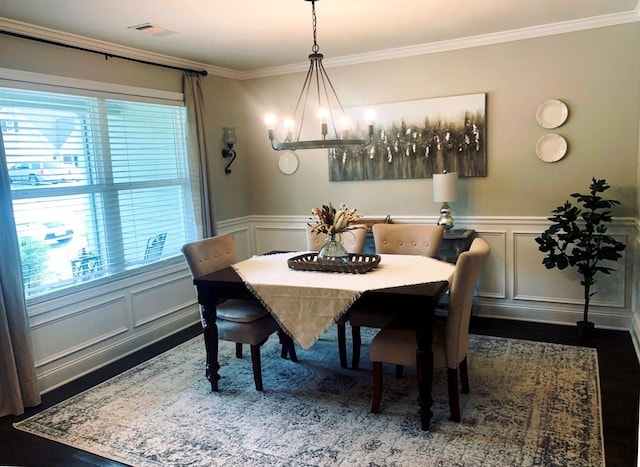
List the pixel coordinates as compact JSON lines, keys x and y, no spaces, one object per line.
{"x":578,"y":238}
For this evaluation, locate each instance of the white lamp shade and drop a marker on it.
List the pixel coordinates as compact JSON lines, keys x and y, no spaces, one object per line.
{"x":445,"y":187}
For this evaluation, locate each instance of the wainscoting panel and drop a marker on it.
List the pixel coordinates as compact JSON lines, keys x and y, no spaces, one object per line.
{"x":635,"y":298}
{"x":493,"y":281}
{"x":534,"y":282}
{"x":161,"y":299}
{"x":77,"y":333}
{"x":99,"y":322}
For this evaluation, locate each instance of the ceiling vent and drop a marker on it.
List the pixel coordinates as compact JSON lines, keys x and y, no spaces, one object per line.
{"x":152,"y":29}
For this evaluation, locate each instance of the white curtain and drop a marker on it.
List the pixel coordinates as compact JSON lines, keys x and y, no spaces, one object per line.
{"x":18,"y":380}
{"x":196,"y":142}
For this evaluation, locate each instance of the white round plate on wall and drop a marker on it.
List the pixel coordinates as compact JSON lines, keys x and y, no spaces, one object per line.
{"x":288,"y":162}
{"x":552,"y":113}
{"x":551,"y":148}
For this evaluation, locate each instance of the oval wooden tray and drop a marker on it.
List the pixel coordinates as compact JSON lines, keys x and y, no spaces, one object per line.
{"x":358,"y":263}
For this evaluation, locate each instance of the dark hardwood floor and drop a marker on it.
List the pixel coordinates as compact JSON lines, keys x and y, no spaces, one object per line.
{"x":619,"y":380}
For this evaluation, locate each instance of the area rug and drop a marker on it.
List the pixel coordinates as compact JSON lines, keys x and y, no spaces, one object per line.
{"x":531,"y":404}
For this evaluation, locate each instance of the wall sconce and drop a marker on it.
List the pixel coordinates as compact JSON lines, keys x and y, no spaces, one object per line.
{"x":229,"y":138}
{"x":445,"y":190}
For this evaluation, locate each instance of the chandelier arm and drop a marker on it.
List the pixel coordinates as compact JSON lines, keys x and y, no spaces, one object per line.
{"x":303,"y":92}
{"x":317,"y":82}
{"x":324,"y":72}
{"x":325,"y":78}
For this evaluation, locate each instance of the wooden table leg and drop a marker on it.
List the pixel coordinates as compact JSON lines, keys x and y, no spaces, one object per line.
{"x":210,"y":331}
{"x":424,"y":370}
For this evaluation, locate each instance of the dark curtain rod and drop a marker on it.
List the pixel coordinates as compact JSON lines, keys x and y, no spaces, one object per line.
{"x":107,"y":55}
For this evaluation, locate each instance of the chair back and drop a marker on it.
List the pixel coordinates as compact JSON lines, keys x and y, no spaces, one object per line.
{"x":465,"y":278}
{"x":210,"y":254}
{"x":408,"y":239}
{"x":353,"y":240}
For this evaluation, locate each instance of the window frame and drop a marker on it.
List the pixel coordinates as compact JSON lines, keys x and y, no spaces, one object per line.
{"x":28,"y":81}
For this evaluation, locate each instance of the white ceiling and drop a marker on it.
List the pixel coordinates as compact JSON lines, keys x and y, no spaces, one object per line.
{"x":243,"y":36}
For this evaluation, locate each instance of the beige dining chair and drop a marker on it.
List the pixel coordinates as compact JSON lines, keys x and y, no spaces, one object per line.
{"x":397,"y":345}
{"x":239,"y":321}
{"x":399,"y":239}
{"x":353,"y":241}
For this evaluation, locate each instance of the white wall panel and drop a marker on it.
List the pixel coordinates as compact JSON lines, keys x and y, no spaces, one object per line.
{"x":97,"y":323}
{"x":532,"y":281}
{"x":161,"y":299}
{"x":493,"y":281}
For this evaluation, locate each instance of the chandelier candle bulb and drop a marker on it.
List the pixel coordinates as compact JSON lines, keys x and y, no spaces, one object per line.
{"x":344,"y":126}
{"x":288,"y":125}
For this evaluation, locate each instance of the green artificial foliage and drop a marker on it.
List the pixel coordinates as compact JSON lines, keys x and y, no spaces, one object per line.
{"x":33,"y":256}
{"x":578,"y":238}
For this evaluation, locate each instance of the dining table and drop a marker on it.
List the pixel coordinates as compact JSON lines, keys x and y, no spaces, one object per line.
{"x":307,"y":302}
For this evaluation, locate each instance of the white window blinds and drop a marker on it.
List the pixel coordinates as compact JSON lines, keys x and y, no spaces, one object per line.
{"x":100,"y":186}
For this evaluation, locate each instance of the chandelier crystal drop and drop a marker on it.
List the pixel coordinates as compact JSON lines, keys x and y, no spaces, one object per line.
{"x":334,"y":123}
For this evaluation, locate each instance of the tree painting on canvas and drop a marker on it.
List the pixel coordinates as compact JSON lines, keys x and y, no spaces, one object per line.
{"x":416,"y":139}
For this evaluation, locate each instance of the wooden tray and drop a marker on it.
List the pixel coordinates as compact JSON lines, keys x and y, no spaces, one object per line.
{"x":358,"y":264}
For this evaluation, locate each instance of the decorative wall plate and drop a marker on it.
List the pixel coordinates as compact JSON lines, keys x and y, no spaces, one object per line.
{"x":288,"y":162}
{"x":552,"y":113}
{"x":551,"y":148}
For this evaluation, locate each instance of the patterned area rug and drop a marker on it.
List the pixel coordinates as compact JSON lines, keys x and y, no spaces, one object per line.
{"x":531,"y":404}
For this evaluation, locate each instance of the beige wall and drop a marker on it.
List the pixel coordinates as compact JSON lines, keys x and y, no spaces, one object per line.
{"x":596,"y":72}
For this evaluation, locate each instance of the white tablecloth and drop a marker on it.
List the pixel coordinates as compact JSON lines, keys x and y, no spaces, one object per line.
{"x":306,"y":303}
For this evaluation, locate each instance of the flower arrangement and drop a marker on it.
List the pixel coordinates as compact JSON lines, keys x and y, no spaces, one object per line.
{"x":328,"y":220}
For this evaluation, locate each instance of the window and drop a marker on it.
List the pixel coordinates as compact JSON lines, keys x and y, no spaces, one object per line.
{"x":100,"y":186}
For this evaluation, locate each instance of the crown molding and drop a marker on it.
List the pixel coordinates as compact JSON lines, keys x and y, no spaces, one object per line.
{"x":457,"y":44}
{"x":387,"y":54}
{"x":39,"y":32}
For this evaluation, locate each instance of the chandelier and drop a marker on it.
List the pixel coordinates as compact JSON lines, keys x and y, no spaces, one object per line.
{"x":329,"y":110}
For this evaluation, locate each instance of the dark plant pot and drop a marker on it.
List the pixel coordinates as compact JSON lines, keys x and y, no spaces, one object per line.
{"x":585,"y":329}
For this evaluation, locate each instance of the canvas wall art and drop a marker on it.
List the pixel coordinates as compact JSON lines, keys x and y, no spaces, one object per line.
{"x":415,"y":139}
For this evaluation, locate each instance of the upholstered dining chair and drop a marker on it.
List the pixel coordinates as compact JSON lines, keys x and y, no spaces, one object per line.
{"x":353,"y":241}
{"x":399,"y":239}
{"x":397,"y":345}
{"x":239,"y":321}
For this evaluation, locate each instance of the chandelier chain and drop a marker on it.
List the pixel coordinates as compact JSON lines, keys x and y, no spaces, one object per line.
{"x":314,"y":23}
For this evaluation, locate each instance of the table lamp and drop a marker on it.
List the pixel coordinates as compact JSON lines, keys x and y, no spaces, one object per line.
{"x":445,"y":190}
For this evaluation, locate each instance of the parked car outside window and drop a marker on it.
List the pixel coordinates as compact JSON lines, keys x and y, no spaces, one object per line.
{"x":35,"y":173}
{"x":48,"y":232}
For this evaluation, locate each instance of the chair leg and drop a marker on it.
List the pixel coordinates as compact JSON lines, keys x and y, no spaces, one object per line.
{"x":342,"y":343}
{"x":238,"y":350}
{"x":454,"y":402}
{"x":399,"y":371}
{"x":464,"y":376}
{"x":257,"y":366}
{"x":288,"y":347}
{"x":291,"y":349}
{"x":376,"y":396}
{"x":356,"y":342}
